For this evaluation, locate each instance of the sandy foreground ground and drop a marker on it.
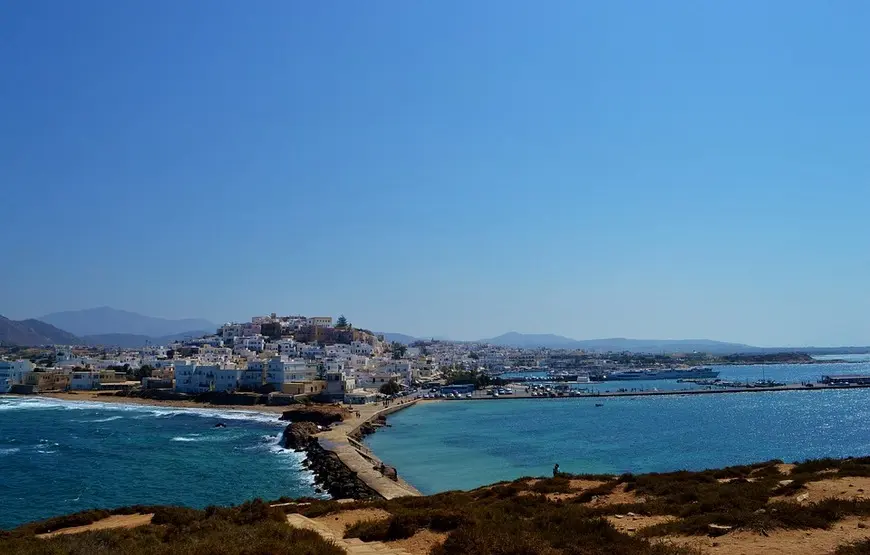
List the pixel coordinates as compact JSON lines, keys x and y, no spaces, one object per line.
{"x":111,"y":399}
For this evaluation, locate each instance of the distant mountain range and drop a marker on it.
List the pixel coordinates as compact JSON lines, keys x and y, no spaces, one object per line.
{"x":105,"y":320}
{"x":618,"y":344}
{"x":397,"y":337}
{"x":110,"y":327}
{"x":33,"y":332}
{"x":100,"y":327}
{"x":132,"y":340}
{"x":665,"y":346}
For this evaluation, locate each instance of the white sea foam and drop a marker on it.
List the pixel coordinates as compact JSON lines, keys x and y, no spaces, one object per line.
{"x":143,"y":411}
{"x":107,"y":419}
{"x":182,"y":438}
{"x":9,"y":451}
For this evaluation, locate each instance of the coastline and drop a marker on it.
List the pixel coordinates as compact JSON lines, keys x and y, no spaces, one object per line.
{"x":359,"y":462}
{"x":89,"y":396}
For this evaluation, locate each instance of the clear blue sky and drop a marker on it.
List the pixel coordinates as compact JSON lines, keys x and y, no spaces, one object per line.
{"x":660,"y":169}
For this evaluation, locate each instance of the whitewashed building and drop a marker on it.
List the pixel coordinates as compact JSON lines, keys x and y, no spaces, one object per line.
{"x":288,"y":348}
{"x":12,"y":373}
{"x":338,"y":384}
{"x":312,"y":351}
{"x":194,"y":378}
{"x":254,"y":375}
{"x":361,"y":348}
{"x":84,"y":380}
{"x":374,"y":380}
{"x":256,"y":343}
{"x":401,"y":367}
{"x":280,"y":371}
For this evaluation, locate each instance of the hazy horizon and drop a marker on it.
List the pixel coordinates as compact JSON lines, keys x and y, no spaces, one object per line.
{"x":448,"y":337}
{"x":449,"y":169}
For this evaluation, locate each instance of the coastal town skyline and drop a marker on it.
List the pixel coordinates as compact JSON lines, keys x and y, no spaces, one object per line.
{"x":121,"y":328}
{"x":105,"y":320}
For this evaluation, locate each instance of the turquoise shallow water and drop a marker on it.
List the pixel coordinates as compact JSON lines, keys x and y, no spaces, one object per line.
{"x":465,"y":444}
{"x":59,"y":457}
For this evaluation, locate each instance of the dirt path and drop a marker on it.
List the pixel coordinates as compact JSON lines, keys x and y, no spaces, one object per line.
{"x":781,"y":542}
{"x":115,"y":521}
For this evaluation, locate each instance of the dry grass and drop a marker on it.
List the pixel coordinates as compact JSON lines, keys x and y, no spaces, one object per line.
{"x":565,"y":514}
{"x":114,"y":521}
{"x":251,"y":528}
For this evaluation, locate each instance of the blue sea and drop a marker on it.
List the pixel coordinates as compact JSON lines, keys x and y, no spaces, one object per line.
{"x":59,"y":457}
{"x":465,"y":444}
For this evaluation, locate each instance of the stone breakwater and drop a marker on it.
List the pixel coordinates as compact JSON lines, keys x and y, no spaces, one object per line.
{"x":342,"y":466}
{"x":330,"y":473}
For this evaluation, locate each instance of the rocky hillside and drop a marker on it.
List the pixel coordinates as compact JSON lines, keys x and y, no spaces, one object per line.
{"x":30,"y":333}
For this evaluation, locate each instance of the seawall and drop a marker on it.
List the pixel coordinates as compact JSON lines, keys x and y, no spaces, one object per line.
{"x":343,"y":466}
{"x":359,"y":459}
{"x":647,"y":393}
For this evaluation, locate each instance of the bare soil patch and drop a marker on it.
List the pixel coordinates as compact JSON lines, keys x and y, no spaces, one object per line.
{"x":115,"y":521}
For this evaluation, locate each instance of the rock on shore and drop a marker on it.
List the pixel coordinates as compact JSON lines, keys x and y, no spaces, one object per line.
{"x":322,"y":415}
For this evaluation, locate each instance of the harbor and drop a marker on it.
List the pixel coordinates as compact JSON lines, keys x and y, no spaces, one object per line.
{"x":518,"y":391}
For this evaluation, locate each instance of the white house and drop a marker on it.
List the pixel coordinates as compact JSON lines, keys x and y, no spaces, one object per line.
{"x":94,"y":379}
{"x":254,"y":343}
{"x":338,"y":384}
{"x":322,"y":321}
{"x":402,"y":367}
{"x":312,"y":351}
{"x":333,"y":366}
{"x":215,"y":355}
{"x":194,"y":378}
{"x":228,"y":331}
{"x":375,"y":380}
{"x":360,"y":397}
{"x":358,"y":362}
{"x":254,"y":375}
{"x":226,"y":378}
{"x":337,"y":350}
{"x":84,"y":380}
{"x":280,"y":371}
{"x":12,"y":373}
{"x":361,"y":348}
{"x":288,"y":348}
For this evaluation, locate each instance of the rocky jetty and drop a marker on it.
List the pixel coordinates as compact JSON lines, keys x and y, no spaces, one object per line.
{"x":334,"y":477}
{"x":298,"y":435}
{"x":330,"y":473}
{"x":368,"y":428}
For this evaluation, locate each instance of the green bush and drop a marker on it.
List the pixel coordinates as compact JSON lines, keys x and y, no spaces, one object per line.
{"x":177,"y":516}
{"x":815,"y":465}
{"x":558,"y":484}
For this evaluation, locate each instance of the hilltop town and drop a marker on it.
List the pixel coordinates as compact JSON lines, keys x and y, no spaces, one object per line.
{"x":287,"y":358}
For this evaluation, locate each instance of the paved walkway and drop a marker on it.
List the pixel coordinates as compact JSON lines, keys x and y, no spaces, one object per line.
{"x":359,"y":458}
{"x":353,"y":546}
